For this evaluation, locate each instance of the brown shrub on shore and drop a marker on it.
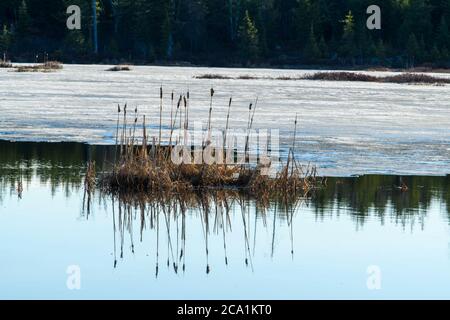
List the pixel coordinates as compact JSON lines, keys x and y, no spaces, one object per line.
{"x":415,"y":78}
{"x":212,"y":76}
{"x":119,"y":68}
{"x":341,"y":76}
{"x":48,"y":66}
{"x":5,"y":64}
{"x":409,"y":78}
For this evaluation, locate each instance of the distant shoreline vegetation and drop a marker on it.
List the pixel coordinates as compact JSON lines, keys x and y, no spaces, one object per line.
{"x":48,"y":66}
{"x":230,"y":33}
{"x":119,"y":68}
{"x":339,"y":76}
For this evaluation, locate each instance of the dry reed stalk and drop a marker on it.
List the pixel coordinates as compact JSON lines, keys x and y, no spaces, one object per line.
{"x":171,"y":110}
{"x":173,"y":124}
{"x":208,"y":137}
{"x":160,"y":114}
{"x":124,"y":128}
{"x":226,"y":128}
{"x":185,"y":120}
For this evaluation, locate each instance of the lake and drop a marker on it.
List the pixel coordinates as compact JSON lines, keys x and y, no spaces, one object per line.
{"x":345,"y":128}
{"x":360,"y":236}
{"x":329,"y":246}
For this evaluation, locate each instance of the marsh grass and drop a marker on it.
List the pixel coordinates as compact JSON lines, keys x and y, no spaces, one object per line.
{"x":399,"y":78}
{"x":119,"y":68}
{"x":140,"y":168}
{"x":5,"y":64}
{"x":403,"y":78}
{"x":48,"y":66}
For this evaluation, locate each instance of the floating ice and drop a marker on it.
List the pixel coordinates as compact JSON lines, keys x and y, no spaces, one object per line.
{"x":345,"y":128}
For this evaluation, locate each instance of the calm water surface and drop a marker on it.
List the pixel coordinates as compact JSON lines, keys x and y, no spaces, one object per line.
{"x":322,"y":248}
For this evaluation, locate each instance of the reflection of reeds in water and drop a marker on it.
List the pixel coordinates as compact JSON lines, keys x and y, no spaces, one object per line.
{"x":89,"y":185}
{"x":166,"y":219}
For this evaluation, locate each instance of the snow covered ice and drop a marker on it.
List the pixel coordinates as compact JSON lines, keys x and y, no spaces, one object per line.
{"x":345,"y":128}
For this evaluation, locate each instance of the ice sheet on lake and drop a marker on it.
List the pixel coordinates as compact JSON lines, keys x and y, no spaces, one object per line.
{"x":344,"y":127}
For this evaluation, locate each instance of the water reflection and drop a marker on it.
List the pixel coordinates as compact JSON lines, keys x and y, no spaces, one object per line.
{"x":216,"y":213}
{"x":218,"y":216}
{"x":63,"y":165}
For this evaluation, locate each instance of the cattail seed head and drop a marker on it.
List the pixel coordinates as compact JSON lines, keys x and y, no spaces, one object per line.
{"x":160,"y":92}
{"x":118,"y":108}
{"x":212,"y":92}
{"x":250,"y":106}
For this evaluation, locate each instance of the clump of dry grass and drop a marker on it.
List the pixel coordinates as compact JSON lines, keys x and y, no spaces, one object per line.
{"x":5,"y":64}
{"x":341,"y":76}
{"x":119,"y":68}
{"x":247,"y":77}
{"x":415,"y":78}
{"x":47,"y":66}
{"x":149,"y":169}
{"x":409,"y":78}
{"x":212,"y":76}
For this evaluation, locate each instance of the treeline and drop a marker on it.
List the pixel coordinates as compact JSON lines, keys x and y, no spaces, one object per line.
{"x":230,"y":32}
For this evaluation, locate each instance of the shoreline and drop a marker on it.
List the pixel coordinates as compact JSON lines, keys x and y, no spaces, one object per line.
{"x":307,"y":67}
{"x":96,"y":149}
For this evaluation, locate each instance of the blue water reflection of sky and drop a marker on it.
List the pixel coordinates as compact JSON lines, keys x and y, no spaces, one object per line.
{"x":42,"y":234}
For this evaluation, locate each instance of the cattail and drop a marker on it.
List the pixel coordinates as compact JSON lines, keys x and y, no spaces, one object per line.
{"x":253,"y":114}
{"x":117,"y":132}
{"x":295,"y":131}
{"x":124,"y":130}
{"x":160,"y":113}
{"x":144,"y":139}
{"x":185,"y":119}
{"x":210,"y":109}
{"x":209,"y":116}
{"x":174,"y":121}
{"x":226,"y":126}
{"x":250,"y":123}
{"x":187,"y":110}
{"x":248,"y":129}
{"x":171,"y":110}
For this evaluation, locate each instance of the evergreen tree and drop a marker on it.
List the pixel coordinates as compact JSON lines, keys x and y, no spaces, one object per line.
{"x":5,"y":41}
{"x":412,"y":49}
{"x":348,"y":48}
{"x":220,"y":30}
{"x":380,"y":50}
{"x":323,"y":48}
{"x":443,"y":37}
{"x":312,"y":51}
{"x":248,"y":39}
{"x":23,"y":21}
